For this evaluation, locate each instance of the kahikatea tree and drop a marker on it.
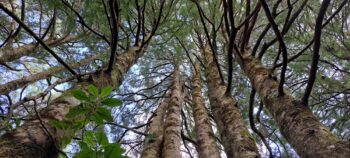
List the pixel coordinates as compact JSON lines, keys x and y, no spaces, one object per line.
{"x":188,"y":74}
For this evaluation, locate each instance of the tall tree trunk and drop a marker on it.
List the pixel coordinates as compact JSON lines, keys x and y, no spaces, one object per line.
{"x":235,"y":137}
{"x":11,"y":54}
{"x":172,"y":131}
{"x":15,"y":84}
{"x":32,"y":139}
{"x":207,"y":147}
{"x":154,"y":141}
{"x":297,"y":123}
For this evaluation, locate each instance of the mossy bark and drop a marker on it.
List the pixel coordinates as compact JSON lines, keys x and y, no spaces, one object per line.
{"x":15,"y":84}
{"x":11,"y":54}
{"x":207,"y":147}
{"x":153,"y":143}
{"x":297,"y":123}
{"x":235,"y":137}
{"x":172,"y":128}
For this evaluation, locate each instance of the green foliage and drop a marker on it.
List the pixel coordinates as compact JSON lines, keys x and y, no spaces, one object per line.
{"x":95,"y":107}
{"x":96,"y":145}
{"x":112,"y":102}
{"x":80,"y":95}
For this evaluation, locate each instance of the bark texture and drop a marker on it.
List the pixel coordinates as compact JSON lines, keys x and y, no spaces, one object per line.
{"x":15,"y":84}
{"x":31,"y":140}
{"x":11,"y":54}
{"x":207,"y":147}
{"x":153,"y":147}
{"x":172,"y":128}
{"x":235,"y":137}
{"x":297,"y":123}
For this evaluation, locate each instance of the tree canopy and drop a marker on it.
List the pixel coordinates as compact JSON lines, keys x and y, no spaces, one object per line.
{"x":116,"y":78}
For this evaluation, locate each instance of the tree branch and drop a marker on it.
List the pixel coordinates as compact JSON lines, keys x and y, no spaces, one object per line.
{"x":282,"y":45}
{"x":25,"y":27}
{"x":316,"y":49}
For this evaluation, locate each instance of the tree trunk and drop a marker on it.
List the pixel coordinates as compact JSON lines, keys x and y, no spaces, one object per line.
{"x":32,"y":140}
{"x":154,"y":141}
{"x":297,"y":123}
{"x":172,"y":131}
{"x":235,"y":137}
{"x":207,"y":147}
{"x":11,"y":54}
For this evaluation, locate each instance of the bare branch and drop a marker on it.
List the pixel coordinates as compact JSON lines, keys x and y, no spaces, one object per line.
{"x":316,"y":49}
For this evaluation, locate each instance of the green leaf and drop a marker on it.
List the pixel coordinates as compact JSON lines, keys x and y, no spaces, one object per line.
{"x":105,"y":114}
{"x":113,"y":151}
{"x":105,"y":92}
{"x":85,"y":151}
{"x":93,"y":90}
{"x":97,"y":119}
{"x":75,"y":111}
{"x":112,"y":102}
{"x":89,"y":138}
{"x":80,"y":95}
{"x":66,"y":141}
{"x":78,"y":124}
{"x":101,"y":138}
{"x":59,"y":124}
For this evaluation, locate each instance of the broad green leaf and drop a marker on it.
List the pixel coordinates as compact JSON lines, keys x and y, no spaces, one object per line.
{"x":105,"y":92}
{"x":112,"y":102}
{"x":66,"y":141}
{"x":105,"y":114}
{"x":59,"y":124}
{"x":113,"y":151}
{"x":80,"y":95}
{"x":75,"y":111}
{"x":78,"y":124}
{"x":97,"y":119}
{"x":93,"y":90}
{"x":101,"y":138}
{"x":85,"y":151}
{"x":89,"y":138}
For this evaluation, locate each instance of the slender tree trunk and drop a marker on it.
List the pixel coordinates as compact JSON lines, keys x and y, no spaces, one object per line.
{"x":235,"y":137}
{"x":172,"y":131}
{"x":297,"y":123}
{"x":154,"y":141}
{"x":11,"y":54}
{"x":207,"y":147}
{"x":15,"y":84}
{"x":32,"y":140}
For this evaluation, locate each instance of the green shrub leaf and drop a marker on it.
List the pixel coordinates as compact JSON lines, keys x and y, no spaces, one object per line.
{"x":93,"y":90}
{"x":80,"y":95}
{"x":105,"y":92}
{"x":105,"y":114}
{"x":112,"y":102}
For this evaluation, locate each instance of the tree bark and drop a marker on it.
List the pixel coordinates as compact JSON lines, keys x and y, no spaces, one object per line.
{"x":154,"y":141}
{"x":15,"y":84}
{"x":11,"y":54}
{"x":235,"y":137}
{"x":297,"y":123}
{"x":172,"y":128}
{"x":32,"y":140}
{"x":207,"y":147}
